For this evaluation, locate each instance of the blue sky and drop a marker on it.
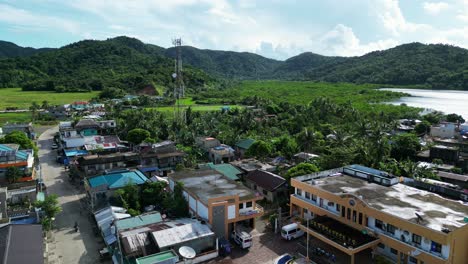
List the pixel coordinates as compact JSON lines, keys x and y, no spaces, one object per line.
{"x":273,"y":28}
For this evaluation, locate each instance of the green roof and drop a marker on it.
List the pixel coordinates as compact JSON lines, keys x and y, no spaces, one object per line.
{"x":139,"y":220}
{"x":245,"y":143}
{"x":157,"y":258}
{"x":118,"y":179}
{"x":227,"y":170}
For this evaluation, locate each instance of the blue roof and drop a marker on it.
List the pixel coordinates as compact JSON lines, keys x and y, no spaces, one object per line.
{"x":74,"y":153}
{"x":118,"y":179}
{"x":148,"y":169}
{"x":20,"y":154}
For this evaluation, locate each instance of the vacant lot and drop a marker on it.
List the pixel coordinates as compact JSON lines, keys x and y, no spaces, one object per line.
{"x":15,"y":97}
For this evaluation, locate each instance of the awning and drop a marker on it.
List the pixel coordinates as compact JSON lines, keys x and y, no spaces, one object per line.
{"x":148,"y":169}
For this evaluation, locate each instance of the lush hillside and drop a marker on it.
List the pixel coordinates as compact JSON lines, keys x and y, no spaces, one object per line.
{"x":228,"y":64}
{"x":437,"y":66}
{"x":297,"y":67}
{"x":9,"y":50}
{"x":130,"y":64}
{"x":121,"y":62}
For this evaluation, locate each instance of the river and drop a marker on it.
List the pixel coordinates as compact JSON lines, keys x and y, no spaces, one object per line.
{"x":447,"y":101}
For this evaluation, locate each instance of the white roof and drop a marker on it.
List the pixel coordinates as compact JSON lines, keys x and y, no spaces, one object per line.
{"x":179,"y":234}
{"x":106,"y":216}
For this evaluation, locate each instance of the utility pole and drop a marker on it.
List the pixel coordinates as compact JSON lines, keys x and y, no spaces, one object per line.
{"x":179,"y":86}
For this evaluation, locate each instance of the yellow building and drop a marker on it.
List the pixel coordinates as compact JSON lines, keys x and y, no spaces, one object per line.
{"x":355,"y":209}
{"x":222,"y":202}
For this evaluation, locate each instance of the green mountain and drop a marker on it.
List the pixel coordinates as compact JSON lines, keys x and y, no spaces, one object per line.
{"x":9,"y":49}
{"x":437,"y":66}
{"x":121,"y":62}
{"x":130,"y":64}
{"x":227,"y":64}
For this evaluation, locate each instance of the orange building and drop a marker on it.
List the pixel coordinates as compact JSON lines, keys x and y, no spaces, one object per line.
{"x":222,"y":202}
{"x":356,"y":208}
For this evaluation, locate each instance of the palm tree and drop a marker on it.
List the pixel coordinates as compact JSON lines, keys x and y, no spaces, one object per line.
{"x":33,"y":108}
{"x":45,"y":105}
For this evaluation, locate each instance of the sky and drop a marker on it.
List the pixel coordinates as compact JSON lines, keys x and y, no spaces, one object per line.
{"x":276,"y":29}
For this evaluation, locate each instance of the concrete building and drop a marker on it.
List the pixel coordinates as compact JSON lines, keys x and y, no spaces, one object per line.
{"x":221,"y":202}
{"x":405,"y":224}
{"x":206,"y":143}
{"x":163,"y":155}
{"x":221,"y":154}
{"x":444,"y":130}
{"x":92,"y":165}
{"x":11,"y":156}
{"x":26,"y":128}
{"x":445,"y":153}
{"x":100,"y":188}
{"x":242,"y":146}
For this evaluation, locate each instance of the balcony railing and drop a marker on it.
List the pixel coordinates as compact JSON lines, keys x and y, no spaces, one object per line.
{"x":406,"y":242}
{"x":314,"y":203}
{"x":257,"y":209}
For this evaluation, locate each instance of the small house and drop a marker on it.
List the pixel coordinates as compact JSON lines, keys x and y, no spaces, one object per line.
{"x":266,"y":183}
{"x":242,"y":146}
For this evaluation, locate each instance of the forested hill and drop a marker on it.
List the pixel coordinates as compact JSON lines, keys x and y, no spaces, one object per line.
{"x":121,"y":62}
{"x":130,"y":64}
{"x":437,"y":66}
{"x":9,"y":49}
{"x":228,"y":64}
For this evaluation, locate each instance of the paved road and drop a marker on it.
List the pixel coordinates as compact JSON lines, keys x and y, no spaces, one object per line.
{"x":67,"y":246}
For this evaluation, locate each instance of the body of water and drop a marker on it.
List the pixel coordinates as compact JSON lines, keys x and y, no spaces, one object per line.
{"x":447,"y":101}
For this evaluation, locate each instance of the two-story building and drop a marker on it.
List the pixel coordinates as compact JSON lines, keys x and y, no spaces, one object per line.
{"x":163,"y":155}
{"x":11,"y":156}
{"x":222,"y":202}
{"x":406,"y":224}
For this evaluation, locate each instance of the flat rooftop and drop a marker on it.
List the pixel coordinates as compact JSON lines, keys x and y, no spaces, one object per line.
{"x":208,"y":183}
{"x":400,"y":200}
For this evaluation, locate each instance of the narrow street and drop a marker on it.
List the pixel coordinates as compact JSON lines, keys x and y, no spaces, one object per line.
{"x":65,"y":245}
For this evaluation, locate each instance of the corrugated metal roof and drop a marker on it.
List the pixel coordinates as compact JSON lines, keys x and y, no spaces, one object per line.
{"x":172,"y":236}
{"x":140,"y":220}
{"x":118,"y":179}
{"x":245,"y":143}
{"x":6,"y":150}
{"x":227,"y":170}
{"x":161,"y":257}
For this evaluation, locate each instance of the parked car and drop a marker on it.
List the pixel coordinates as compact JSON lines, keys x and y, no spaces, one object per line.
{"x":291,"y":231}
{"x":242,"y":238}
{"x":289,"y":259}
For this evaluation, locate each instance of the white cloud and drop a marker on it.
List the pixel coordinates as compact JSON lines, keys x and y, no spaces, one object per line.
{"x":393,"y":20}
{"x":434,"y":8}
{"x":27,"y":21}
{"x":342,"y":41}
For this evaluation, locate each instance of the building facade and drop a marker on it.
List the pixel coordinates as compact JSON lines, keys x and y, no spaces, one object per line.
{"x":407,"y":225}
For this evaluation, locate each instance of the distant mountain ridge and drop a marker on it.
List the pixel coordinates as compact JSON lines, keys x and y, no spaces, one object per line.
{"x":434,"y":65}
{"x":9,"y":50}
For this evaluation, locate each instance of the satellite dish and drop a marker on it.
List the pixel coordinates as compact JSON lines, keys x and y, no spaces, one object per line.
{"x":174,"y":75}
{"x":187,"y":252}
{"x":163,"y":216}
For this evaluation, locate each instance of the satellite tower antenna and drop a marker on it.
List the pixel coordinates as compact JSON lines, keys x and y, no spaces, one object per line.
{"x":179,"y":86}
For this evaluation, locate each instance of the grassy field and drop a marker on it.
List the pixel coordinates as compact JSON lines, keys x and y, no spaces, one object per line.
{"x":15,"y":117}
{"x":304,"y":92}
{"x":15,"y":97}
{"x":194,"y":107}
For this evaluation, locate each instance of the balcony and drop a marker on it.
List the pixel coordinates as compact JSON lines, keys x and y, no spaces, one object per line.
{"x":415,"y":249}
{"x":315,"y":204}
{"x":256,"y":211}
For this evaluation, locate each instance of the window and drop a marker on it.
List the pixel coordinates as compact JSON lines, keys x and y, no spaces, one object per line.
{"x":307,"y":195}
{"x":413,"y":260}
{"x":391,"y":229}
{"x":255,"y":187}
{"x":349,"y":214}
{"x":338,"y":207}
{"x":379,"y":224}
{"x":360,"y":218}
{"x":241,"y":206}
{"x":417,"y":239}
{"x":343,"y":211}
{"x":305,"y":211}
{"x":394,"y":251}
{"x":314,"y":198}
{"x":436,"y":247}
{"x":299,"y":192}
{"x":354,"y":216}
{"x":382,"y":246}
{"x":265,"y":192}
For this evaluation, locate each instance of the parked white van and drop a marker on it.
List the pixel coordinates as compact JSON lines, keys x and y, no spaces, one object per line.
{"x":242,"y":238}
{"x":291,"y":231}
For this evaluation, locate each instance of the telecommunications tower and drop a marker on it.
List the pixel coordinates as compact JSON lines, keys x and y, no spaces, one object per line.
{"x":179,"y":87}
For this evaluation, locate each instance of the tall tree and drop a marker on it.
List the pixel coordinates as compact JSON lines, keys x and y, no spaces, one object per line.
{"x":13,"y":174}
{"x":137,"y":135}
